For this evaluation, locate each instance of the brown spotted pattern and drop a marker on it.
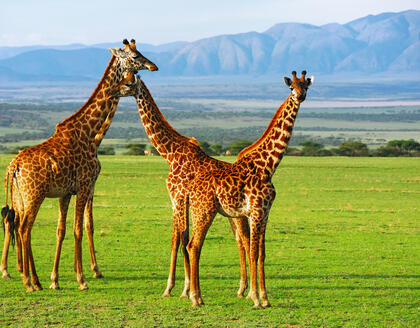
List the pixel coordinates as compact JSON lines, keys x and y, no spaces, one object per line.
{"x":185,"y":159}
{"x":244,"y":190}
{"x":64,"y":165}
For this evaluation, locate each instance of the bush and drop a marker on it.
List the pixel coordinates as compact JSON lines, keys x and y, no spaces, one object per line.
{"x":236,"y":147}
{"x":135,"y":149}
{"x":310,"y":148}
{"x":353,"y":148}
{"x":106,"y":150}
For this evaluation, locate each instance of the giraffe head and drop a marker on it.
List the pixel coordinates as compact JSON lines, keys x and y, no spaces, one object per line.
{"x":128,"y":86}
{"x":299,"y":86}
{"x":131,"y":58}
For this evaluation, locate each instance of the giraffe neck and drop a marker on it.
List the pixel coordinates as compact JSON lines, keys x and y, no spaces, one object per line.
{"x":267,"y":152}
{"x":91,"y":122}
{"x":161,"y":134}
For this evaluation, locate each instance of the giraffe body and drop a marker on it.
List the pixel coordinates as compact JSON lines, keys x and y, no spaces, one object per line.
{"x":64,"y":165}
{"x":185,"y":159}
{"x":244,"y":190}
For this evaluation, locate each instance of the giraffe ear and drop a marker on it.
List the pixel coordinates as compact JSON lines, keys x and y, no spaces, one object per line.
{"x":117,"y":52}
{"x":288,"y":81}
{"x":310,"y":80}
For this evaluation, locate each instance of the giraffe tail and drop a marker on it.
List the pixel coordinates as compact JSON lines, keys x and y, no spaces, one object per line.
{"x":8,"y":214}
{"x":183,"y":225}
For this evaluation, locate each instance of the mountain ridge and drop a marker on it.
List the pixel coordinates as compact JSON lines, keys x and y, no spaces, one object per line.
{"x":374,"y":44}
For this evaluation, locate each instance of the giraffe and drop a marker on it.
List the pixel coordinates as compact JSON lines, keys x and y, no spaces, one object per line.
{"x":185,"y":159}
{"x":64,"y":165}
{"x":245,"y":190}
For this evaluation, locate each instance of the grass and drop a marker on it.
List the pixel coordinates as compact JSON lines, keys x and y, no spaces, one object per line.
{"x":342,"y":251}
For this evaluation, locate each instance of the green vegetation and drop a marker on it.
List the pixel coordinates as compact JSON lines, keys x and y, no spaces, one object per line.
{"x":223,"y":121}
{"x":135,"y":149}
{"x":342,"y":243}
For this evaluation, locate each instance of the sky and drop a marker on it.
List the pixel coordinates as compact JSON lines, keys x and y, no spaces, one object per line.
{"x":58,"y":22}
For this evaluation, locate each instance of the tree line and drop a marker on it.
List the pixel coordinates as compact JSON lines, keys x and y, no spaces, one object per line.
{"x":393,"y":148}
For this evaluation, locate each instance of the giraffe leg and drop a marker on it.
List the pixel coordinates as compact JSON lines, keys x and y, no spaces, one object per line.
{"x":19,"y":265}
{"x":187,"y":268}
{"x":5,"y":253}
{"x":261,"y":273}
{"x":89,"y":229}
{"x":183,"y":226}
{"x":24,"y":231}
{"x":175,"y":240}
{"x":240,"y":229}
{"x":34,"y":276}
{"x":194,"y":250}
{"x":81,"y":200}
{"x":254,"y":243}
{"x":61,"y":233}
{"x":6,"y":246}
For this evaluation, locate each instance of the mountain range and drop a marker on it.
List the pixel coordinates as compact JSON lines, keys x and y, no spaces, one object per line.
{"x":384,"y":43}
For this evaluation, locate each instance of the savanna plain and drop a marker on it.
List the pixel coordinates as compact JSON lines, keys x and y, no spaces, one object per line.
{"x":342,"y":248}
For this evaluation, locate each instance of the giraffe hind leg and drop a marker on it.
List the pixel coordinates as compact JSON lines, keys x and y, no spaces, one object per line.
{"x":240,"y":229}
{"x":89,"y":231}
{"x":61,"y":233}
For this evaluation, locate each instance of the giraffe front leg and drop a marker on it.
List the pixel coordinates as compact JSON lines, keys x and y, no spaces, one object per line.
{"x":261,"y":277}
{"x":175,"y":240}
{"x":201,"y":224}
{"x":89,"y":230}
{"x":61,"y":233}
{"x":253,"y":292}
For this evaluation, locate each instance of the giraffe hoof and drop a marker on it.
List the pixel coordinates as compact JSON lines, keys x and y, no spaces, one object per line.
{"x":55,"y":286}
{"x":98,"y":275}
{"x":257,"y":306}
{"x":266,"y":304}
{"x":184,"y":295}
{"x":240,"y":295}
{"x":83,"y":286}
{"x":6,"y":275}
{"x":38,"y":286}
{"x":166,"y":294}
{"x":30,"y":289}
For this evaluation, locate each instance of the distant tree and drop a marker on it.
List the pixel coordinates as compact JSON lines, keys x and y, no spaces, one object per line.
{"x":106,"y":150}
{"x":385,"y":151}
{"x":311,"y":148}
{"x":205,"y":146}
{"x":353,"y":148}
{"x":135,"y":149}
{"x":293,"y":151}
{"x":153,"y":150}
{"x":217,"y":149}
{"x":236,"y":147}
{"x":15,"y":150}
{"x":395,"y":148}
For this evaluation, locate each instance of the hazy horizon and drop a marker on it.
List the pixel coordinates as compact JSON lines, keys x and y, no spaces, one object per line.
{"x":47,"y":22}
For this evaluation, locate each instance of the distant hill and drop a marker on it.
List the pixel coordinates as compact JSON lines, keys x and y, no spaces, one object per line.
{"x":385,"y":43}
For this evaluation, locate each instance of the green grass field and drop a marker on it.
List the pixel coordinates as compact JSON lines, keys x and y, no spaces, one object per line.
{"x":343,"y":250}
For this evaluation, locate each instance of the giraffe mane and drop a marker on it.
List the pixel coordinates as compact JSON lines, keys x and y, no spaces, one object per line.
{"x":265,"y":134}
